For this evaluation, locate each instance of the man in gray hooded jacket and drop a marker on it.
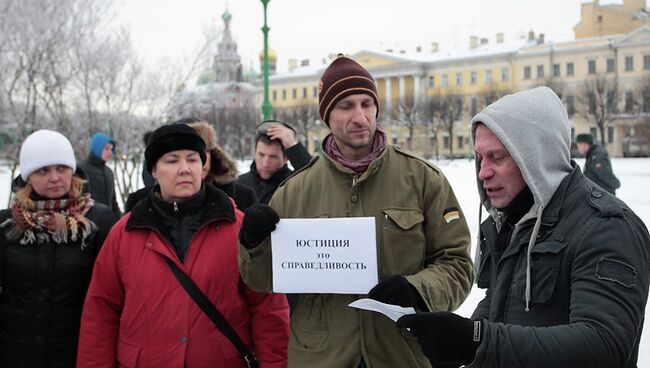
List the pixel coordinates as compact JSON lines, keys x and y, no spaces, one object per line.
{"x":565,"y":264}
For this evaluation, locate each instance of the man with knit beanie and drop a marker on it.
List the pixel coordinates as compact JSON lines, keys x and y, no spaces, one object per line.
{"x":101,"y":181}
{"x":422,"y":237}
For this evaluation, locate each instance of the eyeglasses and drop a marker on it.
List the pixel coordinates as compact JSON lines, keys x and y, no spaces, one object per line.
{"x":263,"y":127}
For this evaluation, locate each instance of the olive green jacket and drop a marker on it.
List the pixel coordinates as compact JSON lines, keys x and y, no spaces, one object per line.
{"x":409,"y":199}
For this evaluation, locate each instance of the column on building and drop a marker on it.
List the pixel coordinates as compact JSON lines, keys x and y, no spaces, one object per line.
{"x":389,"y":98}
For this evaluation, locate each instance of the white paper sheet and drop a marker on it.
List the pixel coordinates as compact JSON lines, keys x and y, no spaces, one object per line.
{"x":329,"y":255}
{"x":391,"y":311}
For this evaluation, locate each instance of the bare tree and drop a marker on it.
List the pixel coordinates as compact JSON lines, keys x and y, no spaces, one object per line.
{"x":598,"y":101}
{"x":492,"y":92}
{"x":449,"y":113}
{"x":305,"y":114}
{"x":409,"y":111}
{"x":429,"y":115}
{"x":556,"y":84}
{"x":643,"y":95}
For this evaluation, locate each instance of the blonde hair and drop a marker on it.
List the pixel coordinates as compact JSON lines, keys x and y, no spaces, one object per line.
{"x":75,"y":191}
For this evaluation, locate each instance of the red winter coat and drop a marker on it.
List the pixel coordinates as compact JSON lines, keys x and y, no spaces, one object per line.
{"x":136,"y":314}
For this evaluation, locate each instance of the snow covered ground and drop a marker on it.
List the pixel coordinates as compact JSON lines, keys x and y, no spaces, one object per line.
{"x":634,"y":174}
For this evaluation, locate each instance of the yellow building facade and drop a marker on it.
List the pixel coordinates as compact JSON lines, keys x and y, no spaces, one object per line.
{"x":414,"y":88}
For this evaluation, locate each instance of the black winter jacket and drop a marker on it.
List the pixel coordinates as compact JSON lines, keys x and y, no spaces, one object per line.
{"x":598,"y":168}
{"x":590,"y":277}
{"x":101,"y":182}
{"x":264,"y":189}
{"x":44,"y":286}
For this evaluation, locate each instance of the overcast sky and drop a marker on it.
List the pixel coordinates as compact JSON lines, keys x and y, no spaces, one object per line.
{"x":315,"y":28}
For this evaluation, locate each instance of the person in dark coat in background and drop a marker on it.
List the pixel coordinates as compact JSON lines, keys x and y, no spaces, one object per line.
{"x":597,"y":167}
{"x":220,"y":170}
{"x":137,"y":314}
{"x":275,"y":145}
{"x":101,"y":181}
{"x":565,"y":263}
{"x":49,"y":239}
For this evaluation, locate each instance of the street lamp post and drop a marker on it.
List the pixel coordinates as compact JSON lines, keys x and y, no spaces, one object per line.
{"x":266,"y":106}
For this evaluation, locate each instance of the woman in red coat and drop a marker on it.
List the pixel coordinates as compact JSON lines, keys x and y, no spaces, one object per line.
{"x":136,"y":313}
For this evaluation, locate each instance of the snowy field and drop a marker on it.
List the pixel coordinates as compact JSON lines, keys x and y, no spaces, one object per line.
{"x":634,"y":174}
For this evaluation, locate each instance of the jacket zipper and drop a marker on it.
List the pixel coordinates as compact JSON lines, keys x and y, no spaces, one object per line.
{"x":175,"y":207}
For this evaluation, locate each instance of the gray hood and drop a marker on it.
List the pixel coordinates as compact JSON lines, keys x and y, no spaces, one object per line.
{"x":534,"y":128}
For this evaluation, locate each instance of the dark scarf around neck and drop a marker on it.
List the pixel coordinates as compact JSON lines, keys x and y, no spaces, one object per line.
{"x":358,"y":166}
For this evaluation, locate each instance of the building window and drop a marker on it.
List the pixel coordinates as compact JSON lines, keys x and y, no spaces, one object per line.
{"x":526,"y":72}
{"x":611,"y":65}
{"x":612,"y":102}
{"x":445,"y":142}
{"x":444,"y":81}
{"x":629,"y":102}
{"x":294,"y":94}
{"x":646,"y":62}
{"x":570,"y":105}
{"x":459,"y":79}
{"x":556,"y":70}
{"x":505,"y":74}
{"x":284,"y":94}
{"x":591,"y":67}
{"x":540,"y":72}
{"x":610,"y":134}
{"x":488,"y":76}
{"x":473,"y":106}
{"x":304,"y":92}
{"x":569,"y":69}
{"x":592,"y":103}
{"x":629,"y":63}
{"x":461,"y":142}
{"x":275,"y":95}
{"x":594,"y":132}
{"x":472,"y":77}
{"x":315,"y":92}
{"x":432,"y":81}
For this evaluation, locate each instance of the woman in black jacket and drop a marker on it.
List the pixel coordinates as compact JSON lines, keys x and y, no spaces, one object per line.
{"x":49,"y":239}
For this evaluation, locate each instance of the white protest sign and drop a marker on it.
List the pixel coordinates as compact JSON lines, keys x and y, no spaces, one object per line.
{"x":334,"y":256}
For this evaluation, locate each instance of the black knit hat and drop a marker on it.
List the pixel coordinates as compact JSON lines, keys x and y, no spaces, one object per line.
{"x":172,"y":137}
{"x":342,"y":78}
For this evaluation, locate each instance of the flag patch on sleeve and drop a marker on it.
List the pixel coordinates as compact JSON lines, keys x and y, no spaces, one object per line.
{"x":451,"y":214}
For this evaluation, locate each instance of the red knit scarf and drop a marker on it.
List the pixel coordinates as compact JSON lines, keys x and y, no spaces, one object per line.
{"x":58,"y":219}
{"x":358,"y":166}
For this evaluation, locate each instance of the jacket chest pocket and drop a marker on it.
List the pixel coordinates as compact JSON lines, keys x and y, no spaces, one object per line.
{"x":403,"y":242}
{"x":546,"y":260}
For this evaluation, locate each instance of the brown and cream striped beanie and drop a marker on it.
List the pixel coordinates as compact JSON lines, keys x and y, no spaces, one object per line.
{"x":342,"y":78}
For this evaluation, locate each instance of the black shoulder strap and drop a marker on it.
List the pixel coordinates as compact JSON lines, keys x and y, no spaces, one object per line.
{"x":3,"y":251}
{"x":213,"y":313}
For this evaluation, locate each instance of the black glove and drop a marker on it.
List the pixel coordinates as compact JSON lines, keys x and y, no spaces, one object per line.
{"x":259,"y":221}
{"x":397,"y":290}
{"x":445,"y":337}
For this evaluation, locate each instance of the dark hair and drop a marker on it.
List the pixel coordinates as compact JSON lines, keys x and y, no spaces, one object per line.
{"x":268,"y":141}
